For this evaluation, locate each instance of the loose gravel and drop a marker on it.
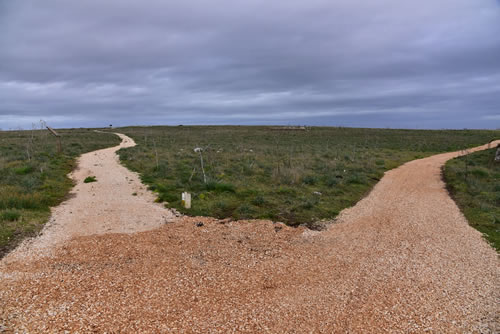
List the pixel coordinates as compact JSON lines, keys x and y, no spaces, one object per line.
{"x":403,"y":260}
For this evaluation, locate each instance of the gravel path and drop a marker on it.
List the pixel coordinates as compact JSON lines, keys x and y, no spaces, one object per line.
{"x":117,"y":203}
{"x":403,"y":260}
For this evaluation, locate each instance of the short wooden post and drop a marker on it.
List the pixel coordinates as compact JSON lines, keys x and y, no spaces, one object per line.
{"x":186,"y":200}
{"x":58,"y":136}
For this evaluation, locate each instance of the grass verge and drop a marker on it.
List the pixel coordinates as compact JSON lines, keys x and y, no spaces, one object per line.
{"x":474,"y":183}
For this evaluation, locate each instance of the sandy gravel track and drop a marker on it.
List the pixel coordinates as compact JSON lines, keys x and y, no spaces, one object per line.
{"x":117,"y":203}
{"x":403,"y":260}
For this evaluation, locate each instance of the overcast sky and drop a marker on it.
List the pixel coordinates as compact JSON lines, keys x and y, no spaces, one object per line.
{"x":380,"y":63}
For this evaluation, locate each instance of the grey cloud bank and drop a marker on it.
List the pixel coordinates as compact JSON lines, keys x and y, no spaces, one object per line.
{"x":387,"y":63}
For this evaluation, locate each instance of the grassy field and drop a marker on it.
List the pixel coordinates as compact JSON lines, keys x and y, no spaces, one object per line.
{"x":293,"y":176}
{"x":33,"y":177}
{"x":474,"y":183}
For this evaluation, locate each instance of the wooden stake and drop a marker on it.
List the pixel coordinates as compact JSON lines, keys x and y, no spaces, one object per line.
{"x":58,"y":136}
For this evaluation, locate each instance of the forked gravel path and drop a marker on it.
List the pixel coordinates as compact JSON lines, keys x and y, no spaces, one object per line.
{"x":403,"y":260}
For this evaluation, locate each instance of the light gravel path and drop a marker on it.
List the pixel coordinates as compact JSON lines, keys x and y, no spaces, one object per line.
{"x":117,"y":203}
{"x":403,"y":260}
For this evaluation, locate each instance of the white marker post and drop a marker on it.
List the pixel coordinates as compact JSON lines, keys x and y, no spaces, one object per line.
{"x":186,"y":200}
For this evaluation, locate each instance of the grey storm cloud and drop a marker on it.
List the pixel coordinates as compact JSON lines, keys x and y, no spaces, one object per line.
{"x":386,"y":63}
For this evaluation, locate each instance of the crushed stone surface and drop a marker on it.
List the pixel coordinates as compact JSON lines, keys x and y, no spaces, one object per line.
{"x":403,"y":260}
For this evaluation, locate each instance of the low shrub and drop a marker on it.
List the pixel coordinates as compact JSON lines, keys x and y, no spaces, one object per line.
{"x":220,"y":187}
{"x":10,"y":215}
{"x":480,"y":172}
{"x":90,"y":179}
{"x":24,"y":170}
{"x":259,"y":201}
{"x":356,"y":179}
{"x":310,"y":179}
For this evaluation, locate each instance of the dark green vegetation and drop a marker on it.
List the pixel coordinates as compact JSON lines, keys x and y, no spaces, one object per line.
{"x":90,"y":179}
{"x":292,"y":176}
{"x":474,"y":183}
{"x":33,"y":177}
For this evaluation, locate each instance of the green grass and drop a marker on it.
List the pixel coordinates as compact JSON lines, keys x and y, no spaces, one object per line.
{"x":297,"y":177}
{"x":90,"y":179}
{"x":474,"y":183}
{"x":33,"y":177}
{"x":10,"y":215}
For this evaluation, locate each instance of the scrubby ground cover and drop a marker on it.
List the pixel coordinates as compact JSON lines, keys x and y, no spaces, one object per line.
{"x":33,"y":177}
{"x":474,"y":183}
{"x":294,"y":176}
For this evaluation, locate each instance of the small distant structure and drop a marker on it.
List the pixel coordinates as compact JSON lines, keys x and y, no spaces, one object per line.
{"x":58,"y":136}
{"x":111,"y":126}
